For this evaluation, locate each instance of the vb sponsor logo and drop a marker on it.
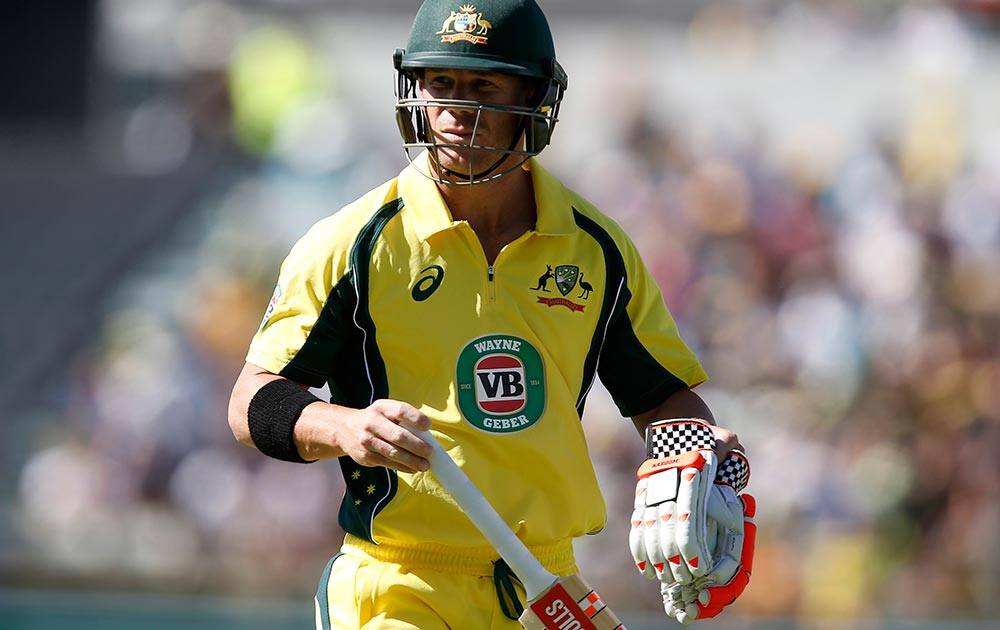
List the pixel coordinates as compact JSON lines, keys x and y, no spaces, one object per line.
{"x":500,"y":383}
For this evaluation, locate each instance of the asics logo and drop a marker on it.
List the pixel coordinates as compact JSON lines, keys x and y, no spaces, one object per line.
{"x":428,"y":282}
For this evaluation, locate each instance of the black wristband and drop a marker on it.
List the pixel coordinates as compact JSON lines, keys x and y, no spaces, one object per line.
{"x":272,"y":415}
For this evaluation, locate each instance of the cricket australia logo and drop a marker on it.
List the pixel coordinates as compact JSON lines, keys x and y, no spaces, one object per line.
{"x":566,"y":277}
{"x":501,"y":383}
{"x":467,"y":25}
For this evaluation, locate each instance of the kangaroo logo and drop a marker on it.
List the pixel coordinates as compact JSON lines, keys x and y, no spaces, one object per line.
{"x":544,"y":280}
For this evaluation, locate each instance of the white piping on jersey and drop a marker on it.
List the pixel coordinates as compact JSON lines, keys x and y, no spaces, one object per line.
{"x":583,"y":395}
{"x":364,"y":340}
{"x":388,"y":488}
{"x":371,"y":399}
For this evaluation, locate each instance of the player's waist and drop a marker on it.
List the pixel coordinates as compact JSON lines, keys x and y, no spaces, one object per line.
{"x":556,"y":557}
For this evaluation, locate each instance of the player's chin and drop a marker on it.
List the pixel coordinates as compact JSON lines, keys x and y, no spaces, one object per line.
{"x":465,"y":161}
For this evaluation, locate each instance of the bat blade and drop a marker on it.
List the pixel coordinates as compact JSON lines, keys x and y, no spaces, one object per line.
{"x":569,"y":604}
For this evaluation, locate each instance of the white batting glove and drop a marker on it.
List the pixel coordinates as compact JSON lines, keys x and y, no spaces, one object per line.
{"x":670,"y":538}
{"x":690,"y":528}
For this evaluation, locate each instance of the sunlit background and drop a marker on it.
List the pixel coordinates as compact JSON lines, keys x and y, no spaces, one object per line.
{"x":815,"y":184}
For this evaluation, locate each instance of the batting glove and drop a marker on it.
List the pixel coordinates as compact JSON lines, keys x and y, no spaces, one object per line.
{"x":688,"y":522}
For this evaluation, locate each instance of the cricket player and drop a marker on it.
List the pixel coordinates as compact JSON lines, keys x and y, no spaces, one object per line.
{"x":476,"y":296}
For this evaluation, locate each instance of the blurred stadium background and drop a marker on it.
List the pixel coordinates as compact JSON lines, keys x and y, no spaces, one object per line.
{"x":814,"y":183}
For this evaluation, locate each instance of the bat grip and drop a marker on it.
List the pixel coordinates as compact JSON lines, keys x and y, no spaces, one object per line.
{"x":533,"y":576}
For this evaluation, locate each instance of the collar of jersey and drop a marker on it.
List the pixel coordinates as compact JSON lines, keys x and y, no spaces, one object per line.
{"x":422,"y":198}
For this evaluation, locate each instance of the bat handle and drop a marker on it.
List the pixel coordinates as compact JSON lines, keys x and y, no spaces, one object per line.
{"x":533,"y":576}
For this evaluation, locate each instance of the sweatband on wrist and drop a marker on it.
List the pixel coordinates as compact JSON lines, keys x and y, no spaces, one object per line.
{"x":272,"y":415}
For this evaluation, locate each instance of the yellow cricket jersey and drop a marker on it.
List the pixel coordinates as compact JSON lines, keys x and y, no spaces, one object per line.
{"x":392,"y":298}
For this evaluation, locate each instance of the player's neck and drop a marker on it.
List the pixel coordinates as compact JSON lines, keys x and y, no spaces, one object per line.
{"x":494,"y":209}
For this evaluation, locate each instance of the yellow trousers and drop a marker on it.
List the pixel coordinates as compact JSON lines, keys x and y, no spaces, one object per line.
{"x":389,"y":587}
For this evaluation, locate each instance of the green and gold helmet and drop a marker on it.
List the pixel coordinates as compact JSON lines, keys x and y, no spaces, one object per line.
{"x":505,"y":36}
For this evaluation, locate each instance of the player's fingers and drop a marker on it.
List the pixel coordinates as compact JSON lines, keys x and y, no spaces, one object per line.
{"x":372,"y":459}
{"x":725,"y":441}
{"x":399,"y":458}
{"x":406,"y":415}
{"x":637,"y":545}
{"x":400,"y":435}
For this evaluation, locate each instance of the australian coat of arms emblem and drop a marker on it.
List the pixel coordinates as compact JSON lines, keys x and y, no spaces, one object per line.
{"x":466,"y":24}
{"x":567,"y":278}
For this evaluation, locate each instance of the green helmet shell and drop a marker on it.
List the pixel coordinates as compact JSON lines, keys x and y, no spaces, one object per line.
{"x":505,"y":36}
{"x":509,"y":36}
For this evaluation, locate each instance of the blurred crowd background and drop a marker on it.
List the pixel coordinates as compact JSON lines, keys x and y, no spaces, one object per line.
{"x":815,"y":184}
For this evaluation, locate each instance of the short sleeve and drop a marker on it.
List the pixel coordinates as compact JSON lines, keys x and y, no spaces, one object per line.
{"x":298,"y":337}
{"x":643,"y":359}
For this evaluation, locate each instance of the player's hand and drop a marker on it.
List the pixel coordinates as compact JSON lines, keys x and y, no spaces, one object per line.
{"x":725,"y":441}
{"x":381,"y":435}
{"x":688,"y":522}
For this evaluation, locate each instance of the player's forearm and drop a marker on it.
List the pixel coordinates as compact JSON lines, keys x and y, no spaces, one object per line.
{"x":687,"y":404}
{"x":315,"y":435}
{"x":683,"y":403}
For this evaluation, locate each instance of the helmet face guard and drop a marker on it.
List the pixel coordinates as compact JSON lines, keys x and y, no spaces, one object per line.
{"x":533,"y":132}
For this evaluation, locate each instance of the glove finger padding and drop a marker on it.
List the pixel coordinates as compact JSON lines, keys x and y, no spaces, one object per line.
{"x":636,"y":538}
{"x":652,"y":538}
{"x":691,"y":530}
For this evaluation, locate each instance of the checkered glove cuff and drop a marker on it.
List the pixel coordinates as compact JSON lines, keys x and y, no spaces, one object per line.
{"x":734,"y":471}
{"x":669,"y":438}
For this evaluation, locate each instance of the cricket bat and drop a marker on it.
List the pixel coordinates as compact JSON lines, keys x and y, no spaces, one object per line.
{"x":554,"y":603}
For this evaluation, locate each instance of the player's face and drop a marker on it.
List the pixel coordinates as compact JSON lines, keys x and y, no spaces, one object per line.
{"x":455,"y":125}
